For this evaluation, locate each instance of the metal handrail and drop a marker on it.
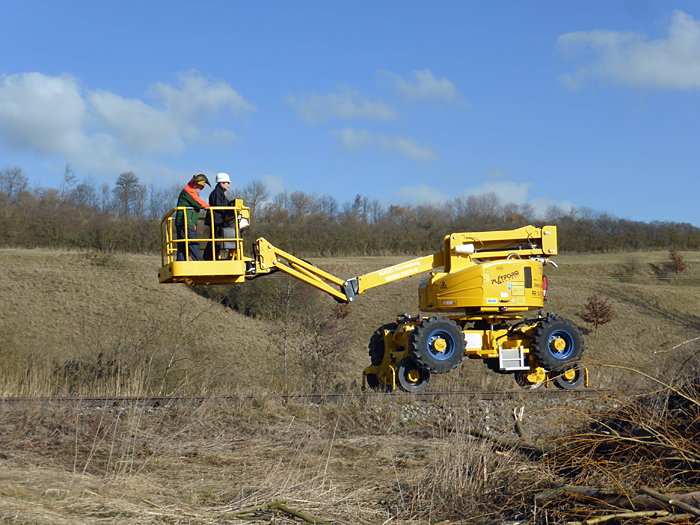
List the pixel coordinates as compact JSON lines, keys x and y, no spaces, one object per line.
{"x":169,"y":241}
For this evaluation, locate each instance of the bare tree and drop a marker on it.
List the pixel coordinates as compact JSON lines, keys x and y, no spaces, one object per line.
{"x":281,"y":200}
{"x":554,"y":213}
{"x":328,"y":206}
{"x":300,"y":204}
{"x":254,"y":194}
{"x":140,"y":201}
{"x":347,"y":213}
{"x":85,"y":194}
{"x":126,"y":191}
{"x":403,"y":216}
{"x":587,"y":214}
{"x":68,"y":183}
{"x":105,"y":197}
{"x":485,"y":205}
{"x":527,"y":210}
{"x":13,"y":182}
{"x":475,"y":206}
{"x":517,"y":218}
{"x":322,"y":345}
{"x":153,"y":201}
{"x":285,"y":294}
{"x":360,"y":207}
{"x":375,"y":211}
{"x":509,"y":211}
{"x":160,"y":200}
{"x":431,"y":216}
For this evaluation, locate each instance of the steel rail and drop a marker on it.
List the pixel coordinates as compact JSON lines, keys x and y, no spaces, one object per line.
{"x":164,"y":401}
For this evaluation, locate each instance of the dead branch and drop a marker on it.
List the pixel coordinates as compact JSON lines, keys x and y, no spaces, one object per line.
{"x":609,"y":517}
{"x":623,"y":498}
{"x":307,"y":519}
{"x":671,"y":518}
{"x":254,"y":512}
{"x":530,"y":450}
{"x":518,"y":417}
{"x":597,"y":493}
{"x":679,"y":501}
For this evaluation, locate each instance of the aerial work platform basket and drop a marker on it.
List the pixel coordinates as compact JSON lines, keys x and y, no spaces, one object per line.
{"x":229,"y":268}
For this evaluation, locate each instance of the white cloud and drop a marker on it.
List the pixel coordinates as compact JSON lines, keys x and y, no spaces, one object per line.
{"x":508,"y":192}
{"x":99,"y":131}
{"x":348,"y":104}
{"x":354,"y":140}
{"x":631,"y":59}
{"x":419,"y":195}
{"x":138,"y":126}
{"x":167,"y":129}
{"x":274,"y":183}
{"x":222,"y":138}
{"x":543,"y":207}
{"x":513,"y":193}
{"x":421,"y":85}
{"x":197,"y":97}
{"x":42,"y":113}
{"x":49,"y":115}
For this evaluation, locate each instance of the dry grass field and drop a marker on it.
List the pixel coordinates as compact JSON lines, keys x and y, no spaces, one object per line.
{"x":387,"y":459}
{"x":77,"y":324}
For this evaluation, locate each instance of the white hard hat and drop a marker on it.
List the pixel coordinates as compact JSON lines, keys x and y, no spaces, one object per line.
{"x":223,"y":177}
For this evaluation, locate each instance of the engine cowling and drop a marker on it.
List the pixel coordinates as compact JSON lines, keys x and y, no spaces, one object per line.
{"x":513,"y":285}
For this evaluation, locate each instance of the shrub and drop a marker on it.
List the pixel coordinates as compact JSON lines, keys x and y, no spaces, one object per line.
{"x":598,"y":312}
{"x":676,"y":262}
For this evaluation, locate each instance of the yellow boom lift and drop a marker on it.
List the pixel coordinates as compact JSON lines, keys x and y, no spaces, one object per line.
{"x":475,"y":299}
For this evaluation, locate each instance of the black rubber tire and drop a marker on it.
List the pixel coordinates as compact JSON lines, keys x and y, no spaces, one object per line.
{"x":437,"y":330}
{"x":374,"y":384}
{"x":376,"y":343}
{"x":372,"y":381}
{"x":561,"y":382}
{"x":556,"y":330}
{"x":412,"y":377}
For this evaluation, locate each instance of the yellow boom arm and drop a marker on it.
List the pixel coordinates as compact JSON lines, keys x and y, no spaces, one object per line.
{"x":268,"y":259}
{"x":388,"y":275}
{"x":461,"y":250}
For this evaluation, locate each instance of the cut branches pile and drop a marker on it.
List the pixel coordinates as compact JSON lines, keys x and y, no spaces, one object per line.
{"x":608,"y":466}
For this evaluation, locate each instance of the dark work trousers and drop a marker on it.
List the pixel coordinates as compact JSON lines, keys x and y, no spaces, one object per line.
{"x":218,"y":234}
{"x":195,"y":252}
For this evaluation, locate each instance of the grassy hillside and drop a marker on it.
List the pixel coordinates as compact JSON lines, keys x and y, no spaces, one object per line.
{"x":77,"y":323}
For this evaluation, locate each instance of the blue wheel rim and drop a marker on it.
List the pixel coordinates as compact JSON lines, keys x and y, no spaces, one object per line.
{"x":449,"y":340}
{"x":568,"y":350}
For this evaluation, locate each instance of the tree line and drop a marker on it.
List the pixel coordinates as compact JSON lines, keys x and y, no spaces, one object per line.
{"x":126,"y":217}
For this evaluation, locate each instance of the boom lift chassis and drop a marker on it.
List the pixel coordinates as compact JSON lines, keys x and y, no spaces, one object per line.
{"x":475,"y":299}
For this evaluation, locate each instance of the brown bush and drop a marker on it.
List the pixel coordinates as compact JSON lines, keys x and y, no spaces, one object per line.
{"x":598,"y":312}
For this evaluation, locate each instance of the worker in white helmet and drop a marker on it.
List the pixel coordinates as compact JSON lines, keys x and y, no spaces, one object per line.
{"x":218,"y":198}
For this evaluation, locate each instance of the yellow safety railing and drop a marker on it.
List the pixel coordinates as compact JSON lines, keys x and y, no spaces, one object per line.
{"x":211,"y":268}
{"x":232,"y":241}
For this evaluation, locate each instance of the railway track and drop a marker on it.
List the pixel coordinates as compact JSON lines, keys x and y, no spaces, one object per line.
{"x":471,"y":395}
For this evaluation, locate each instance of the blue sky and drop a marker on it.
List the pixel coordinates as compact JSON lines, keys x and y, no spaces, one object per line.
{"x":591,"y":104}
